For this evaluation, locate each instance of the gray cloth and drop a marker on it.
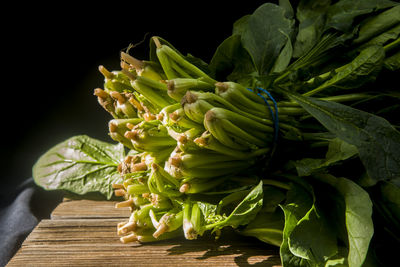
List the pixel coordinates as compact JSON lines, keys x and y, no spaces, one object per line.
{"x":26,"y":206}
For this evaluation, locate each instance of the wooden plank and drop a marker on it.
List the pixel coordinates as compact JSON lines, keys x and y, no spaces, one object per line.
{"x":88,"y":209}
{"x":83,"y":233}
{"x":94,"y":242}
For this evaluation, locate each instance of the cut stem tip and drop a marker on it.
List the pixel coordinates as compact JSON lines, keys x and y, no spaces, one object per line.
{"x":184,"y":188}
{"x":100,"y":93}
{"x":106,"y":73}
{"x":129,"y":238}
{"x":136,"y":63}
{"x":222,"y":87}
{"x":156,"y":41}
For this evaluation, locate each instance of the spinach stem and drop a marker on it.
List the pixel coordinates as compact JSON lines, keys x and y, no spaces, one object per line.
{"x":173,"y":55}
{"x":181,"y":72}
{"x":276,"y":184}
{"x":392,"y":45}
{"x":136,"y":63}
{"x":240,"y":133}
{"x":149,"y":93}
{"x":152,"y":83}
{"x":166,"y":64}
{"x":214,"y":127}
{"x":196,"y":187}
{"x":323,"y":86}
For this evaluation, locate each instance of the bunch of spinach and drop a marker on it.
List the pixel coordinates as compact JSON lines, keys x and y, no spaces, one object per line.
{"x":329,"y":194}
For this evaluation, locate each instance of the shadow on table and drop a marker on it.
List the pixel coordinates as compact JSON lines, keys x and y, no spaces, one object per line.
{"x":246,"y":251}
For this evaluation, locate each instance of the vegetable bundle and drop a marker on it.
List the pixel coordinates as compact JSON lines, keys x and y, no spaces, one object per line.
{"x":283,"y":136}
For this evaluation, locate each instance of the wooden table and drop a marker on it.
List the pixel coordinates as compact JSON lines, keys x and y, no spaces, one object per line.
{"x":83,"y":233}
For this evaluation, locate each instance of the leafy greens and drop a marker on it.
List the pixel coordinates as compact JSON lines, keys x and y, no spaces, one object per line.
{"x":290,"y":135}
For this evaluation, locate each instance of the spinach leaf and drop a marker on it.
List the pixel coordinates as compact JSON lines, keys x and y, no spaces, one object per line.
{"x":240,"y":25}
{"x":298,"y":203}
{"x":265,"y":34}
{"x":272,"y":198}
{"x":247,"y":208}
{"x":209,"y":212}
{"x":338,"y":150}
{"x":300,"y":248}
{"x":242,"y":214}
{"x":359,"y":225}
{"x":232,"y":59}
{"x":287,"y":6}
{"x":364,"y":68}
{"x":312,"y":16}
{"x":386,"y":218}
{"x":390,"y":193}
{"x":198,"y":62}
{"x":268,"y":225}
{"x":315,"y":247}
{"x":389,"y":35}
{"x":320,"y":53}
{"x":393,"y":62}
{"x":377,"y":141}
{"x":378,"y":24}
{"x":286,"y":53}
{"x":350,"y":207}
{"x":341,"y":224}
{"x":80,"y":165}
{"x":387,"y":205}
{"x":342,"y":14}
{"x":284,"y":57}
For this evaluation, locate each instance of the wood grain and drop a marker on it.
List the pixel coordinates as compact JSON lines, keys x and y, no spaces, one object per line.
{"x":88,"y":209}
{"x":90,"y":239}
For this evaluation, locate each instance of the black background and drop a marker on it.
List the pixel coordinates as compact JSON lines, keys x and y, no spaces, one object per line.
{"x":50,"y":59}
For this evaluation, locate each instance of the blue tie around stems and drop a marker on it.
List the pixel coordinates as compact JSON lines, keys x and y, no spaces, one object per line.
{"x":274,"y":114}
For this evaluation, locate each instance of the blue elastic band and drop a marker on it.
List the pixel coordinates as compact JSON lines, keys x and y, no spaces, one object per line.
{"x":274,"y":115}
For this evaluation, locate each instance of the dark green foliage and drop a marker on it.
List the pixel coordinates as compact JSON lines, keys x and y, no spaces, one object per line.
{"x":326,"y":192}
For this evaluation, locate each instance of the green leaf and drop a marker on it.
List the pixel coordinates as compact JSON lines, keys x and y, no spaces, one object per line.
{"x":387,"y":205}
{"x":231,"y":59}
{"x":268,"y":225}
{"x":284,"y":57}
{"x":265,"y":35}
{"x":242,"y":213}
{"x":315,"y":247}
{"x":393,"y":62}
{"x":298,"y":203}
{"x":390,"y":193}
{"x":349,"y":207}
{"x":319,"y":53}
{"x":81,"y":165}
{"x":198,"y":62}
{"x":378,"y":24}
{"x":389,"y":35}
{"x":377,"y":141}
{"x":287,"y":6}
{"x":240,"y":25}
{"x":299,"y":247}
{"x":364,"y":68}
{"x":312,"y":16}
{"x":359,"y":225}
{"x":342,"y":14}
{"x":209,"y":212}
{"x":247,"y":208}
{"x":273,"y":197}
{"x":338,"y":150}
